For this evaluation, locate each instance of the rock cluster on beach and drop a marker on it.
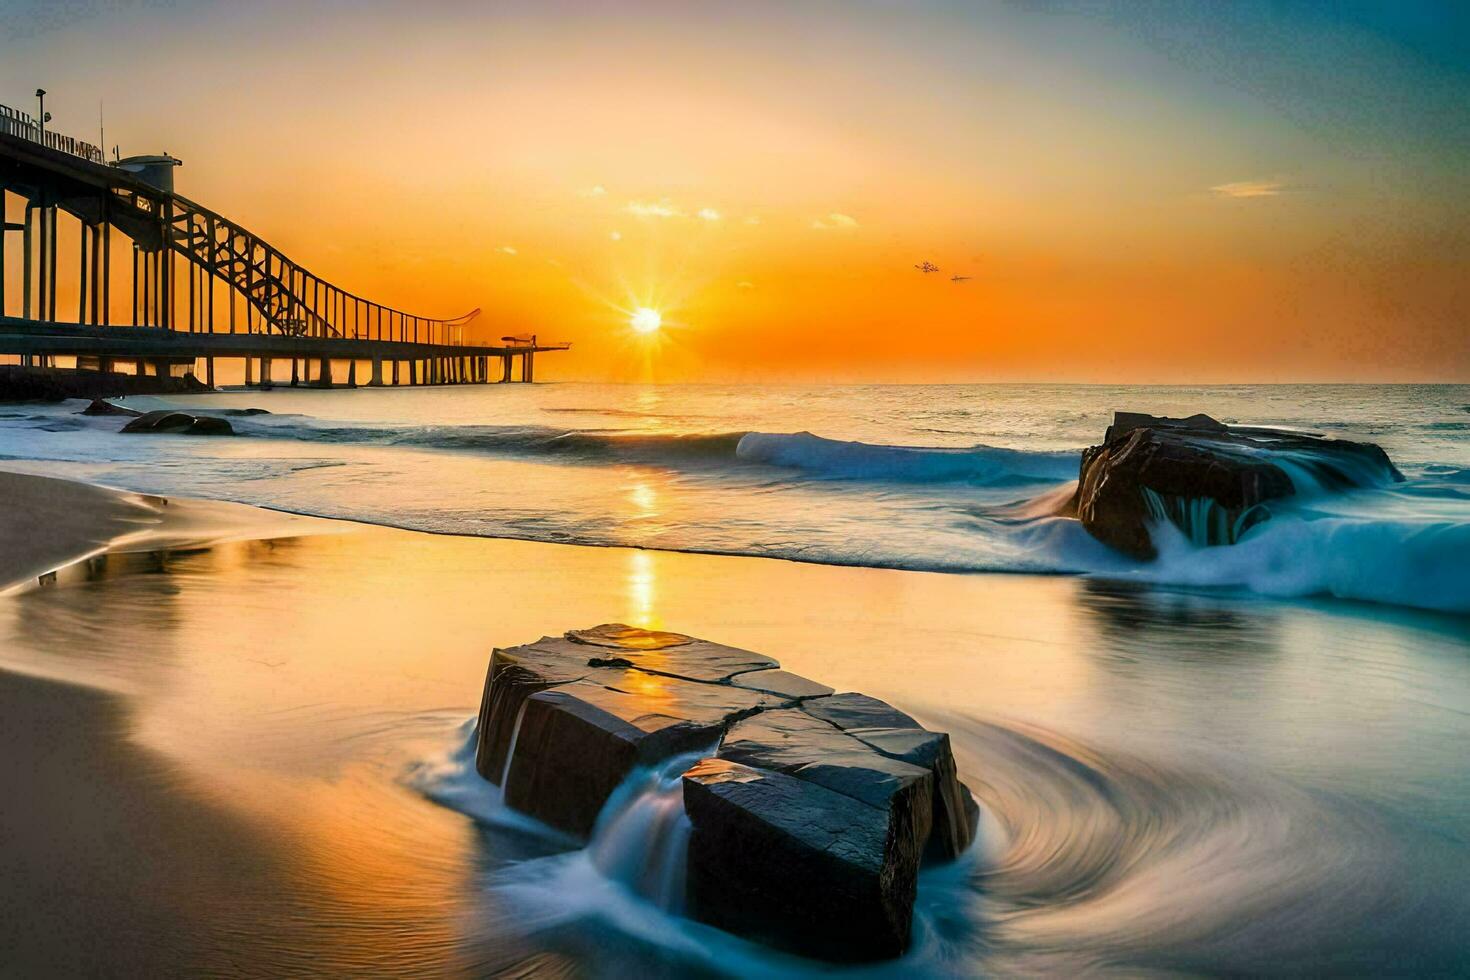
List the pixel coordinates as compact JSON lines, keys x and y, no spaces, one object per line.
{"x":811,"y":811}
{"x":1207,"y":478}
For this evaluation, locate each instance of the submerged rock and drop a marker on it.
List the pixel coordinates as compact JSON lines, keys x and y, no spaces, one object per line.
{"x":101,"y":406}
{"x":1210,"y":480}
{"x":810,"y":813}
{"x":180,"y":423}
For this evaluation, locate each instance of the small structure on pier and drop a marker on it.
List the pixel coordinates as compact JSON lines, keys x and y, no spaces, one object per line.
{"x":151,"y":168}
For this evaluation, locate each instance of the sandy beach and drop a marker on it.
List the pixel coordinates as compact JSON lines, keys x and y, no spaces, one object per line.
{"x":241,"y":758}
{"x":51,"y":524}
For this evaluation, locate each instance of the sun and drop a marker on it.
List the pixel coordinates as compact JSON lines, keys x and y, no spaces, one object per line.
{"x":645,"y":320}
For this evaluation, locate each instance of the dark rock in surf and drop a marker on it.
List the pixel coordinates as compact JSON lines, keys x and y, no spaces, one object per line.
{"x":795,"y":865}
{"x":179,"y":423}
{"x":101,"y":406}
{"x":889,"y":731}
{"x":1210,"y":480}
{"x":792,"y":741}
{"x":811,"y":813}
{"x":601,"y":654}
{"x":576,"y":742}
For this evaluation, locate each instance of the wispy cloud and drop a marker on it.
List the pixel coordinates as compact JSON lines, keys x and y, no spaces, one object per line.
{"x":835,"y":220}
{"x":661,"y":208}
{"x":1249,"y":188}
{"x":708,"y":214}
{"x":508,"y":250}
{"x":745,"y":284}
{"x":596,"y":190}
{"x":616,"y":236}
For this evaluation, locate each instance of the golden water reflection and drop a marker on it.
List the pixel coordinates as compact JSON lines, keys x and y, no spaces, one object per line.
{"x":295,"y":683}
{"x":642,"y":588}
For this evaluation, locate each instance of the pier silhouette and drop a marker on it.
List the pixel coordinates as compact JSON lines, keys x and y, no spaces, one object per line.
{"x":202,"y":287}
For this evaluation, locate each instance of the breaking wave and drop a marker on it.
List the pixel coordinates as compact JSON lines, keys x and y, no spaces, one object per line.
{"x":836,"y":459}
{"x":817,"y":456}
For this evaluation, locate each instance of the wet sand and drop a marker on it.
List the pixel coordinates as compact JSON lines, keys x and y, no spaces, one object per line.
{"x":216,"y":760}
{"x":51,"y":523}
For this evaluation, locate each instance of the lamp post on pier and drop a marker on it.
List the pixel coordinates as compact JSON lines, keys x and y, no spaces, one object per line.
{"x":41,"y":117}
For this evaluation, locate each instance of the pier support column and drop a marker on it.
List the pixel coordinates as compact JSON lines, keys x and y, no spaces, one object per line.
{"x":377,"y":379}
{"x":295,"y":371}
{"x":265,"y":372}
{"x":352,"y":373}
{"x":395,"y":373}
{"x":413,"y":372}
{"x":208,"y":370}
{"x":325,"y":378}
{"x":249,"y":371}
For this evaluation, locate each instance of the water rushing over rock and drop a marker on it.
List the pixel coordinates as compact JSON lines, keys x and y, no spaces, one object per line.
{"x":1210,"y":480}
{"x":802,"y":815}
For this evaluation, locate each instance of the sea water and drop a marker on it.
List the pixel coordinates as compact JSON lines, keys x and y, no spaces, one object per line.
{"x":960,"y":478}
{"x":1239,"y":759}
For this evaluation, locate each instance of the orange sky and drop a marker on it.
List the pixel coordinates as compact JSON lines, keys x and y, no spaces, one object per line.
{"x":1172,"y":199}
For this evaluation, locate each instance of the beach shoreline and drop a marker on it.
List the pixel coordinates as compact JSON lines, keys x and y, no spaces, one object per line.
{"x":51,"y":524}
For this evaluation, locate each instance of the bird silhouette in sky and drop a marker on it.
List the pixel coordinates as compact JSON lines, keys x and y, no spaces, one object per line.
{"x":960,"y":278}
{"x":927,"y":267}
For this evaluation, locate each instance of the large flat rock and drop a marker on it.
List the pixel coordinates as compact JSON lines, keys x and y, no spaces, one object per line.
{"x":514,"y":675}
{"x":811,"y":811}
{"x":658,"y":652}
{"x":577,"y":741}
{"x":795,"y":865}
{"x":889,"y":731}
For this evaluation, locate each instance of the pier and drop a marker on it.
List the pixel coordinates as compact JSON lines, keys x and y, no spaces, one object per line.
{"x":198,"y":288}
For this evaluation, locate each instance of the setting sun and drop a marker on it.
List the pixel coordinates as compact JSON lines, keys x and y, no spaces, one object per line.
{"x":645,"y":320}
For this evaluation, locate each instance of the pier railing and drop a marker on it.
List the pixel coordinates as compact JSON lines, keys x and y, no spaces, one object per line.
{"x":13,"y":122}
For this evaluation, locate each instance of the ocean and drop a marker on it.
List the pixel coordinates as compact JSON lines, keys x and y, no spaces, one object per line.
{"x":956,"y":478}
{"x":1246,"y":759}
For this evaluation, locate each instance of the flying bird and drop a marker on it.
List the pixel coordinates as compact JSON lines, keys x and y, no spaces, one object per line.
{"x":960,"y":278}
{"x":927,"y":267}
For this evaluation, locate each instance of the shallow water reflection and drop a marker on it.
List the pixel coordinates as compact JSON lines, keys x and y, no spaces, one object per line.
{"x":1173,"y":781}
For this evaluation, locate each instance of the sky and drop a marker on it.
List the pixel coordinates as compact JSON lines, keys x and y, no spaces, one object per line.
{"x":1141,"y":192}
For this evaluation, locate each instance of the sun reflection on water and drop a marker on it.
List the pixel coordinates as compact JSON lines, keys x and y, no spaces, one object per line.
{"x":642,"y":591}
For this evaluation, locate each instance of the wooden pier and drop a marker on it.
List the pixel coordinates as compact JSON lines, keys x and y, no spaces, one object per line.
{"x":198,"y":287}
